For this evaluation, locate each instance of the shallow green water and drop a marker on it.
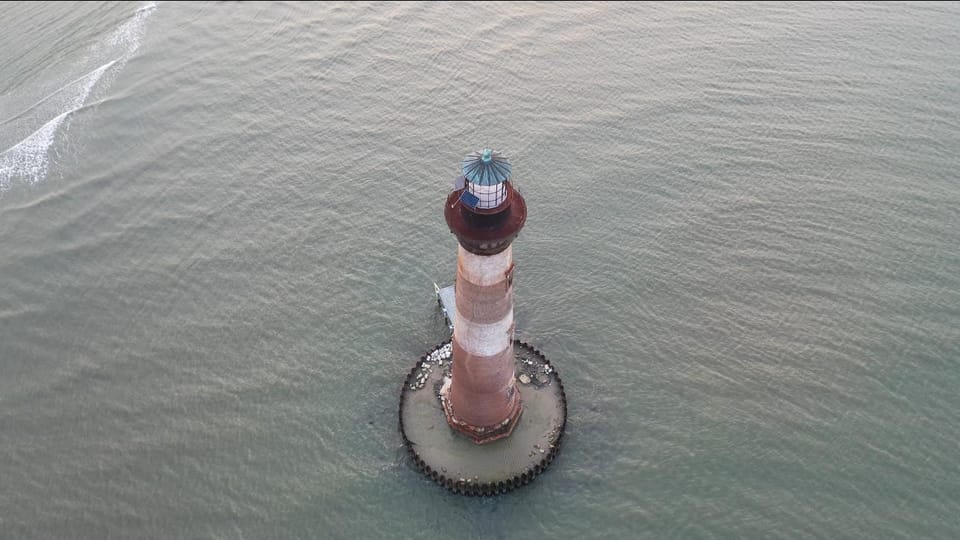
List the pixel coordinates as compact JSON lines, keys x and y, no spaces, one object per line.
{"x":220,"y":225}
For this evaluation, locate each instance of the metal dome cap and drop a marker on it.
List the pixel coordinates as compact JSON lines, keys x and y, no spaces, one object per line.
{"x":486,"y":167}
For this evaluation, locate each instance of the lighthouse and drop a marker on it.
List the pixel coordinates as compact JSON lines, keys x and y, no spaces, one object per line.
{"x":482,"y":413}
{"x":486,"y":213}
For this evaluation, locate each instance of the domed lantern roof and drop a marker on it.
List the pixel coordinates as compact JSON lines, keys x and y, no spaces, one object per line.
{"x":486,"y":168}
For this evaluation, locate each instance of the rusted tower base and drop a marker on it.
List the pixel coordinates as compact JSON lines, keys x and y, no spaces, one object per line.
{"x":452,"y":459}
{"x":482,"y":434}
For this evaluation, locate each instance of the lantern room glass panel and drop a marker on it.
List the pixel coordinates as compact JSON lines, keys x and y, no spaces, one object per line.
{"x":490,"y":196}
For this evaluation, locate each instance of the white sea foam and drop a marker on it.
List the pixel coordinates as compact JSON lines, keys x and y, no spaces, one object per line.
{"x":130,"y":33}
{"x":29,"y":159}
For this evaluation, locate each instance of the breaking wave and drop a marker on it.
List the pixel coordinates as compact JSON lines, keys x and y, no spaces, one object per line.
{"x":28,"y":160}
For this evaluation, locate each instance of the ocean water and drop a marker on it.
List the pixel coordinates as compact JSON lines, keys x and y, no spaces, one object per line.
{"x":220,"y":225}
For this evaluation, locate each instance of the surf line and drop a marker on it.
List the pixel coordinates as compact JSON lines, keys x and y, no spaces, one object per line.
{"x":29,"y":159}
{"x":97,"y":72}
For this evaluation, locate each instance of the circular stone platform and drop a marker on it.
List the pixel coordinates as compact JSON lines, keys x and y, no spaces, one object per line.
{"x":456,"y":462}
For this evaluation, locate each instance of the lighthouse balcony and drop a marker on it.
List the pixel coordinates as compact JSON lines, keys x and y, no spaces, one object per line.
{"x":485,"y":232}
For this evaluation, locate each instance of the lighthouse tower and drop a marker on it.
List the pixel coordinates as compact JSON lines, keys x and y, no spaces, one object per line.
{"x":485,"y":212}
{"x":482,"y":383}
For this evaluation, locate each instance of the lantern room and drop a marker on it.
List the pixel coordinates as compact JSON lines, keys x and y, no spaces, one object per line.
{"x":485,"y":175}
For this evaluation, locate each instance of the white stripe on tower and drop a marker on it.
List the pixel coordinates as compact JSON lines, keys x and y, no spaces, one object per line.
{"x":484,"y":269}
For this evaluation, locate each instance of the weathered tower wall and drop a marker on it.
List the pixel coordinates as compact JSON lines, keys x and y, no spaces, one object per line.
{"x":483,"y":391}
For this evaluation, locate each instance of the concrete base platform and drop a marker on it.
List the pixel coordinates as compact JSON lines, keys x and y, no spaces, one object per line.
{"x":453,"y":460}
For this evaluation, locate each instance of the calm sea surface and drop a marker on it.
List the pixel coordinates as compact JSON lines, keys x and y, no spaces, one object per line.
{"x":220,"y":225}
